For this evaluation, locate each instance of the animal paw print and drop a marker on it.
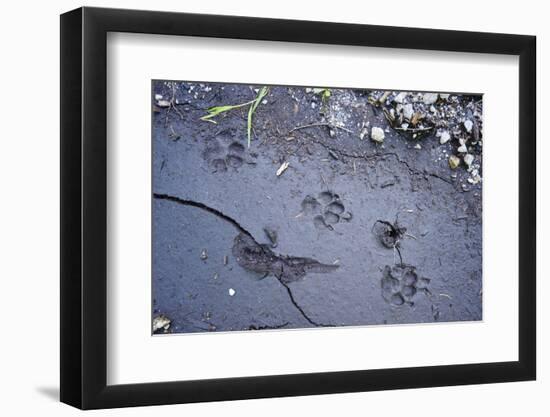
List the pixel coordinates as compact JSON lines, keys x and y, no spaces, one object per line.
{"x":327,"y":210}
{"x":220,"y":158}
{"x":389,"y":234}
{"x":400,"y":283}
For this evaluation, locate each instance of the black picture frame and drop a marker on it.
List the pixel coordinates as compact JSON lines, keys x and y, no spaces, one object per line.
{"x":84,"y":207}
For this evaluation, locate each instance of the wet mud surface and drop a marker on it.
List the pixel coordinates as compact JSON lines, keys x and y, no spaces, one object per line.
{"x":353,"y":232}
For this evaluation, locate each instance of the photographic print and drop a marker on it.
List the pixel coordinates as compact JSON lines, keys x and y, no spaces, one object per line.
{"x":292,"y":207}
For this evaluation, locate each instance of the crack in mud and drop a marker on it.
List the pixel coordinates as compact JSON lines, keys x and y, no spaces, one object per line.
{"x":293,"y":301}
{"x":376,"y":156}
{"x":257,"y":257}
{"x":203,"y":207}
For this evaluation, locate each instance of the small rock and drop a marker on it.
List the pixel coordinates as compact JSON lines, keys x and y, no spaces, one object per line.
{"x":468,"y":159}
{"x":468,"y":124}
{"x":430,"y":98}
{"x":462,"y":149}
{"x":204,"y":255}
{"x":444,"y":96}
{"x":332,"y":133}
{"x":408,"y":111}
{"x":445,"y":137}
{"x":158,"y":96}
{"x":163,"y":103}
{"x":231,"y":292}
{"x":417,"y":146}
{"x":454,"y":161}
{"x":474,"y":179}
{"x":161,"y":323}
{"x":400,"y":98}
{"x":377,"y":134}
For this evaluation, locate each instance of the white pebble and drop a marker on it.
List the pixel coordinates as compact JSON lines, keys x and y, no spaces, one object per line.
{"x":231,"y":292}
{"x":163,"y":103}
{"x":468,"y":159}
{"x":430,"y":98}
{"x":445,"y":137}
{"x":377,"y":134}
{"x":400,"y":97}
{"x":408,"y":111}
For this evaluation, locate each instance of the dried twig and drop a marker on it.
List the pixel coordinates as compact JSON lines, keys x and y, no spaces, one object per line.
{"x":414,"y":130}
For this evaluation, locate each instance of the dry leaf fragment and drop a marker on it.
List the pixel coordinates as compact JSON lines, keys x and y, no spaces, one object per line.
{"x":282,"y":168}
{"x":383,"y":97}
{"x":416,"y":118}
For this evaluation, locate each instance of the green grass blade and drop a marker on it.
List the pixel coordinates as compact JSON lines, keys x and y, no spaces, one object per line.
{"x":217,"y":110}
{"x":261,"y":94}
{"x":249,"y":125}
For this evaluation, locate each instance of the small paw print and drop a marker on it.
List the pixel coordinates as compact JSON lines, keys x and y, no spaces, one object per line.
{"x":220,"y":159}
{"x":400,"y":284}
{"x":327,"y":209}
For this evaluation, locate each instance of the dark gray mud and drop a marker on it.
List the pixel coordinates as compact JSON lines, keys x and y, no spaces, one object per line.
{"x":259,"y":258}
{"x":353,"y":232}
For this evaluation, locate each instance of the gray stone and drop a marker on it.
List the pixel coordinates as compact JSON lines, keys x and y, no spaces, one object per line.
{"x":430,"y":98}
